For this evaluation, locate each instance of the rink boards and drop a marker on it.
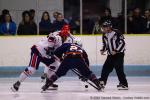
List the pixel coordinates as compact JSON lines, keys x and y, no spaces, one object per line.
{"x":130,"y":70}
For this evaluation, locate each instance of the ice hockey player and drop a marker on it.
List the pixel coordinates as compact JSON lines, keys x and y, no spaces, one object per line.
{"x":72,"y":56}
{"x":66,"y":37}
{"x":40,"y":52}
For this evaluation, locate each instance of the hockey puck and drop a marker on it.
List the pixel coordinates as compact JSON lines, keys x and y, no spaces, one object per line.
{"x":86,"y":86}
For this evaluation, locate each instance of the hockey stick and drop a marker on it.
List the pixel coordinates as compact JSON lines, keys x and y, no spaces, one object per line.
{"x":85,"y":79}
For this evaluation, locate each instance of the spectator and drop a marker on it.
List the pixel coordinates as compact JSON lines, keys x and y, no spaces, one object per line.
{"x":27,"y":26}
{"x":147,"y":20}
{"x":32,"y":13}
{"x":45,"y":24}
{"x":106,"y":16}
{"x":8,"y":27}
{"x":55,"y":16}
{"x":129,"y":21}
{"x":137,"y":22}
{"x":75,"y":26}
{"x":120,"y":22}
{"x":4,"y":12}
{"x":88,"y":24}
{"x":58,"y":24}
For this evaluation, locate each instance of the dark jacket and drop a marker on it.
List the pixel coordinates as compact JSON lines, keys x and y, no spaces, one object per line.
{"x":57,"y":25}
{"x":138,"y":25}
{"x":27,"y":29}
{"x":45,"y":27}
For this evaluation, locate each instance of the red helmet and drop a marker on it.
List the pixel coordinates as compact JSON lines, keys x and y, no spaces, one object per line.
{"x":65,"y":30}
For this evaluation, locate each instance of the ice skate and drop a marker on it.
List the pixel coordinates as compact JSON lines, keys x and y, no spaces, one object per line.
{"x":97,"y":83}
{"x":122,"y":87}
{"x":102,"y":85}
{"x":15,"y":86}
{"x":53,"y":87}
{"x":47,"y":85}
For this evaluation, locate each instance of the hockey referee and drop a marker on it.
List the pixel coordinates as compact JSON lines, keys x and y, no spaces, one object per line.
{"x":114,"y":44}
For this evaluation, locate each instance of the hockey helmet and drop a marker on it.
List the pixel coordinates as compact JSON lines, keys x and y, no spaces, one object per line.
{"x":107,"y":24}
{"x":51,"y":37}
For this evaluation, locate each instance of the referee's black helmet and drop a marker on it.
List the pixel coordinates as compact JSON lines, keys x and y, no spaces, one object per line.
{"x":107,"y":24}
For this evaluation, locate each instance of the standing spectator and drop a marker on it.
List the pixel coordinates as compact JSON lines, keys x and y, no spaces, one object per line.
{"x":147,"y":20}
{"x":114,"y":44}
{"x":129,"y":21}
{"x":4,"y":12}
{"x":32,"y":13}
{"x":107,"y":16}
{"x":27,"y":26}
{"x":137,"y":22}
{"x":75,"y":26}
{"x":120,"y":22}
{"x":8,"y":27}
{"x":88,"y":25}
{"x":58,"y":24}
{"x":45,"y":24}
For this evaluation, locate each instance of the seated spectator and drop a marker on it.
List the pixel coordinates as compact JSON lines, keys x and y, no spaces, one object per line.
{"x":4,"y":12}
{"x":27,"y":26}
{"x":55,"y":16}
{"x":137,"y":22}
{"x":88,"y":24}
{"x":106,"y":16}
{"x":58,"y":24}
{"x":147,"y":20}
{"x":32,"y":14}
{"x":129,"y":21}
{"x":120,"y":21}
{"x":75,"y":26}
{"x":8,"y":27}
{"x":45,"y":24}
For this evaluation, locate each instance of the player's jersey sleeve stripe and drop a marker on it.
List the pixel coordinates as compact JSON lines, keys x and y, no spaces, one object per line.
{"x":33,"y":61}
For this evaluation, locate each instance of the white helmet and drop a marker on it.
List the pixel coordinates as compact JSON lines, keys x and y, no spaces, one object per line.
{"x":53,"y":34}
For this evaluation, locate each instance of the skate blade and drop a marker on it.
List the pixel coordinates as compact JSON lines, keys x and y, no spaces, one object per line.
{"x":52,"y":88}
{"x":102,"y":90}
{"x":123,"y":89}
{"x":13,"y":90}
{"x":43,"y":91}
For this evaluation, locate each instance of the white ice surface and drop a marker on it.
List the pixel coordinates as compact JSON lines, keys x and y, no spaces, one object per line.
{"x":70,"y":88}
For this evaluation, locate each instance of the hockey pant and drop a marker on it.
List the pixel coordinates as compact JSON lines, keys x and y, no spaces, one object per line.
{"x":51,"y":69}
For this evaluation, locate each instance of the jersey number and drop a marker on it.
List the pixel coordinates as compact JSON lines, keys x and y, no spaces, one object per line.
{"x":73,"y":48}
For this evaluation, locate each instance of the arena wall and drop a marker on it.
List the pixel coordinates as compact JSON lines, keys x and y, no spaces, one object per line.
{"x":15,"y":51}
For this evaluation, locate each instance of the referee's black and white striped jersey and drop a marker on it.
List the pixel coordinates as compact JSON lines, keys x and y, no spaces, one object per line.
{"x":113,"y":41}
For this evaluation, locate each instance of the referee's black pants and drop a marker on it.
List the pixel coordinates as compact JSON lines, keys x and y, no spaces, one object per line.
{"x":114,"y":62}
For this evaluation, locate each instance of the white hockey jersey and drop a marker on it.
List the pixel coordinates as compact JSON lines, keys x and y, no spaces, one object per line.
{"x":45,"y":43}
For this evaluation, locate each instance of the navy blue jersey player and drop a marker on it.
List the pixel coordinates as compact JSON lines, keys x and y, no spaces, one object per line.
{"x":73,"y":56}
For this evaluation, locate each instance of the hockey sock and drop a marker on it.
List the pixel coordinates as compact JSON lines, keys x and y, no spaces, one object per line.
{"x":46,"y":69}
{"x":22,"y":77}
{"x":28,"y":72}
